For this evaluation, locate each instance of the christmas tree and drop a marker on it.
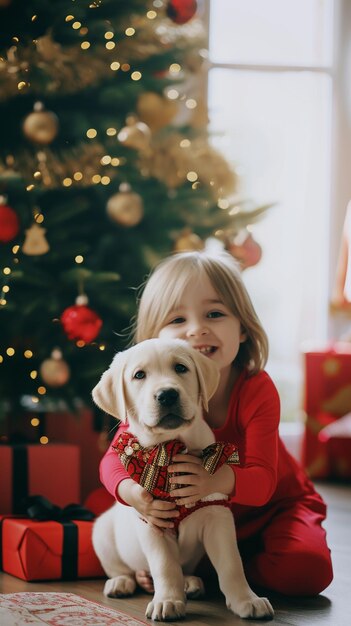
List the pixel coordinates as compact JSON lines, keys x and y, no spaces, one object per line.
{"x":105,"y":168}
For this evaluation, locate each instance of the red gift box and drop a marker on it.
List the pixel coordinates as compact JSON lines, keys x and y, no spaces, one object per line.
{"x":327,"y":397}
{"x":51,"y":470}
{"x":38,"y":550}
{"x":78,"y":429}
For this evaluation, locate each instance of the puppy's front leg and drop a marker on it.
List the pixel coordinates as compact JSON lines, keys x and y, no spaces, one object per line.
{"x":219,"y":537}
{"x":162,"y":554}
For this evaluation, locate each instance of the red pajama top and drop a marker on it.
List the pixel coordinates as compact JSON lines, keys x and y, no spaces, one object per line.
{"x":267,"y":477}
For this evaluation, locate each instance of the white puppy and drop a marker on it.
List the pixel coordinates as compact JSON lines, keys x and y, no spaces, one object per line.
{"x":160,"y":388}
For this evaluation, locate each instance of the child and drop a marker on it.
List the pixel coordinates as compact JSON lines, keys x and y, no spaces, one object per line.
{"x":201,"y":298}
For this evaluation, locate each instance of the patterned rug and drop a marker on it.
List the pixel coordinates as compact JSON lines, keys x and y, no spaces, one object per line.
{"x":58,"y":609}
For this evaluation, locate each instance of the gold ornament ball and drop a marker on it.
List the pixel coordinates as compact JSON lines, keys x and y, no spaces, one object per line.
{"x":188,"y":241}
{"x":135,"y":136}
{"x":55,"y":372}
{"x":156,"y":111}
{"x":41,"y":127}
{"x":126,"y":208}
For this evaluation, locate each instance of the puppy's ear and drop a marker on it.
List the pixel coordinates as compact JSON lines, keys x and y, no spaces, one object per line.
{"x":109,"y":393}
{"x":208,"y":376}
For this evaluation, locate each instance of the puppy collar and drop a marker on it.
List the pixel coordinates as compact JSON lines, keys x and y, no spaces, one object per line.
{"x":148,"y":466}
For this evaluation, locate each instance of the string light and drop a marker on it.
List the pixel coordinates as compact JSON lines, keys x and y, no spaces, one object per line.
{"x":42,"y":390}
{"x":7,"y":271}
{"x":67,"y":182}
{"x":44,"y":440}
{"x":105,"y":180}
{"x":192,"y":176}
{"x":28,"y":354}
{"x":80,"y":343}
{"x":111,"y":132}
{"x":96,"y":178}
{"x":10,"y":352}
{"x":191,"y":103}
{"x":76,"y":25}
{"x":110,"y":45}
{"x":85,"y":45}
{"x":185,"y":143}
{"x":106,"y":160}
{"x":136,"y":75}
{"x":151,"y":15}
{"x":130,"y":31}
{"x":223,"y":203}
{"x":79,"y":258}
{"x":174,"y":68}
{"x":77,"y":176}
{"x":91,"y":133}
{"x":115,"y":66}
{"x":35,"y":421}
{"x":109,"y":35}
{"x":173,"y":94}
{"x":34,"y":374}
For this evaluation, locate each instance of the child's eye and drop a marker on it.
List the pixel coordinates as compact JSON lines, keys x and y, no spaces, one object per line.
{"x":139,"y":374}
{"x":180,"y":368}
{"x":177,"y":320}
{"x":213,"y":314}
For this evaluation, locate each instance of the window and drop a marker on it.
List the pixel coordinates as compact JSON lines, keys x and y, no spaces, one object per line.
{"x":270,"y":95}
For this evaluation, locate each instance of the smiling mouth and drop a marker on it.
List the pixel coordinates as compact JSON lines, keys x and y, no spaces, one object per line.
{"x":205,"y":349}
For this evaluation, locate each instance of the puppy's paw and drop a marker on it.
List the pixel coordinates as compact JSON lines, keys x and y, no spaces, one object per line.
{"x":253,"y":608}
{"x":193,"y":587}
{"x":120,"y":586}
{"x":165,"y":610}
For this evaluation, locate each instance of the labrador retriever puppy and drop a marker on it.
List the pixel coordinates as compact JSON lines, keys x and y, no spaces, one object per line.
{"x":160,"y":387}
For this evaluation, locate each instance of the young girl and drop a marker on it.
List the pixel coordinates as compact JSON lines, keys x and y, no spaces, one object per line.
{"x":201,"y":298}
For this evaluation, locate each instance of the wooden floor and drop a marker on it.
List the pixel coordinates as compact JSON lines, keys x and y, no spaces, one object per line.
{"x":332,"y":608}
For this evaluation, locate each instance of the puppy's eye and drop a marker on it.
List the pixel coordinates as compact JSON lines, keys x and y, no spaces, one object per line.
{"x":180,"y":368}
{"x":139,"y":374}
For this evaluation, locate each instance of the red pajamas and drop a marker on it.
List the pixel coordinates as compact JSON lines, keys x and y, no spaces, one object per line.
{"x":277,"y":512}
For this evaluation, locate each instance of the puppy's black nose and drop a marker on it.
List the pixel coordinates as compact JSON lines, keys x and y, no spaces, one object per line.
{"x":167,"y":397}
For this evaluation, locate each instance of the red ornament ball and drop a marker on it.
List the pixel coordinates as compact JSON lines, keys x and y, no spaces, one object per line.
{"x":81,"y":323}
{"x":9,"y":223}
{"x":181,"y":11}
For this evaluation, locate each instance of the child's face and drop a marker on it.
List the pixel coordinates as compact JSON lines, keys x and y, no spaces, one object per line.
{"x":206,"y":323}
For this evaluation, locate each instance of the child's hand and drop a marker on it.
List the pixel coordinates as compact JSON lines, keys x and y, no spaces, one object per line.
{"x":158,"y":513}
{"x":196,"y":480}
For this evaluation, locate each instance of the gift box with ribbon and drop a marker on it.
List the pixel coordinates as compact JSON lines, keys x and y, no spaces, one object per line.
{"x":327,"y":399}
{"x":53,"y":470}
{"x":50,"y":544}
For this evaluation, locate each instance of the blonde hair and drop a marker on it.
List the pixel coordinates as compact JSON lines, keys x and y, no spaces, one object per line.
{"x":163,"y":291}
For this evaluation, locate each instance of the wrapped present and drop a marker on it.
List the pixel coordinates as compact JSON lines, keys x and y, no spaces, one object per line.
{"x":52,"y":470}
{"x":49,"y":549}
{"x":327,"y":397}
{"x":79,"y":429}
{"x":315,"y":454}
{"x":328,"y":380}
